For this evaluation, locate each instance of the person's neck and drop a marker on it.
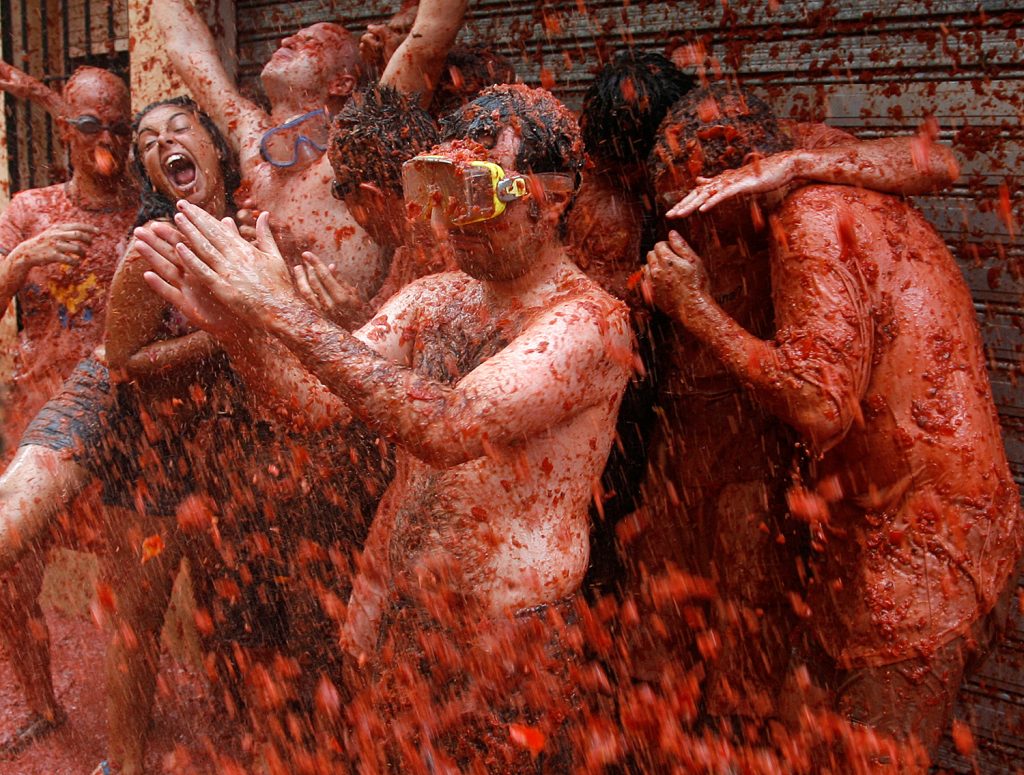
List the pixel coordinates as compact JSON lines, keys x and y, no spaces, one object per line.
{"x":285,"y":110}
{"x":101,"y":193}
{"x":533,"y":288}
{"x":217,"y":205}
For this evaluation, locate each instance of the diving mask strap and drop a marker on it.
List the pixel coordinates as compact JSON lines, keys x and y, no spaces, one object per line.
{"x":516,"y":187}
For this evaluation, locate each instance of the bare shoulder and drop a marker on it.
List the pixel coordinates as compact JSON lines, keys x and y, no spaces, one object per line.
{"x":442,"y":286}
{"x":588,"y":299}
{"x":590,"y":317}
{"x":131,"y":258}
{"x":814,"y":221}
{"x":35,"y":198}
{"x":422,"y":296}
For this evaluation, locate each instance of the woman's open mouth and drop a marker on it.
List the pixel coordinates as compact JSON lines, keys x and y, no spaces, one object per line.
{"x":181,"y":172}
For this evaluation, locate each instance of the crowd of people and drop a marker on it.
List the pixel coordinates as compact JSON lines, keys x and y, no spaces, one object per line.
{"x":499,"y":438}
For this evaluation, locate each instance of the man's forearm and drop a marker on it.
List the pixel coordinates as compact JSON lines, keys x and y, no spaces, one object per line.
{"x":23,"y":86}
{"x":416,"y":65}
{"x":171,"y":354}
{"x":744,"y":355}
{"x":12,"y":277}
{"x":897,"y":165}
{"x":791,"y":386}
{"x":394,"y":400}
{"x":282,"y":389}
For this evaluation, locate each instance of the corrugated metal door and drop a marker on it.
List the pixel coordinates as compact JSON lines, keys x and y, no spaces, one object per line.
{"x":873,"y":67}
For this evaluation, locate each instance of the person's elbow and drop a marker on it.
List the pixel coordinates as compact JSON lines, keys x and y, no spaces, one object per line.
{"x":823,"y":421}
{"x":945,"y":167}
{"x":118,"y":356}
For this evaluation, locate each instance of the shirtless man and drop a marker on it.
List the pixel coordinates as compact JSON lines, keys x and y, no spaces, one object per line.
{"x":60,"y":246}
{"x":708,"y":500}
{"x":499,"y":384}
{"x":307,"y":80}
{"x":877,"y":363}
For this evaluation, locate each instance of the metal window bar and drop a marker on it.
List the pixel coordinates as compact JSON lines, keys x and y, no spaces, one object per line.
{"x":11,"y":109}
{"x":34,"y":152}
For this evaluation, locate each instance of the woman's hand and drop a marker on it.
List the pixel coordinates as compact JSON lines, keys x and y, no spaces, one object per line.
{"x":215,"y":272}
{"x":323,"y":290}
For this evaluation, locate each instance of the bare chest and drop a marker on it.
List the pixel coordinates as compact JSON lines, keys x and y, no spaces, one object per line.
{"x":458,"y":339}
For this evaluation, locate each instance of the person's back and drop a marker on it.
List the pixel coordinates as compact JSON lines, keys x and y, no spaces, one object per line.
{"x":928,"y":504}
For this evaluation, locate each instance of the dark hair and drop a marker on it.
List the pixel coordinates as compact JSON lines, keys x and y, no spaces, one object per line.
{"x":551,"y":140}
{"x":377,"y":131}
{"x":156,"y":205}
{"x":712,"y":130}
{"x":626,"y":102}
{"x":467,"y":71}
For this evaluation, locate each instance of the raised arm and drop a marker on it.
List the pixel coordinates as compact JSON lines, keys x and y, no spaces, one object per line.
{"x":894,"y":165}
{"x":417,"y":63}
{"x":565,"y":363}
{"x":290,"y":390}
{"x":23,"y":86}
{"x":814,"y":372}
{"x":193,"y":51}
{"x":135,"y":316}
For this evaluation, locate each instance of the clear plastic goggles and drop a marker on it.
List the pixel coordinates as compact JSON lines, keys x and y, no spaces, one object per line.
{"x":463,"y":192}
{"x":282,"y":145}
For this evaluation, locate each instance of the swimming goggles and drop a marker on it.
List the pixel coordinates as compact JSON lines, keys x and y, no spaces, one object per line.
{"x":282,"y":145}
{"x":90,"y":125}
{"x":466,"y":192}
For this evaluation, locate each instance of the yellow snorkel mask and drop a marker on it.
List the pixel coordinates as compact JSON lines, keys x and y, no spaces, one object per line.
{"x":464,"y":192}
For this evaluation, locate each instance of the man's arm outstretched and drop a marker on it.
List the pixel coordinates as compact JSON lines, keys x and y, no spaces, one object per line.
{"x":569,"y":359}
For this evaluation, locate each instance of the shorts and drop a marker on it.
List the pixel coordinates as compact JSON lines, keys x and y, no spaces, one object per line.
{"x":141,"y":462}
{"x":914,"y":697}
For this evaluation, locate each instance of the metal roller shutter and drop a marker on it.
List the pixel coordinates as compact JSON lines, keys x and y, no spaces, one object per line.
{"x":873,"y":67}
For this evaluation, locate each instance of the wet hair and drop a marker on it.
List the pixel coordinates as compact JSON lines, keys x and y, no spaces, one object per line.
{"x":626,"y":102}
{"x":377,"y":131}
{"x":551,"y":140}
{"x":155,"y":205}
{"x":712,"y":130}
{"x":468,"y":70}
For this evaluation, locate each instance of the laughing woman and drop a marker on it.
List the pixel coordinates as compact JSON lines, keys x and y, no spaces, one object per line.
{"x":133,"y":428}
{"x":171,"y":385}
